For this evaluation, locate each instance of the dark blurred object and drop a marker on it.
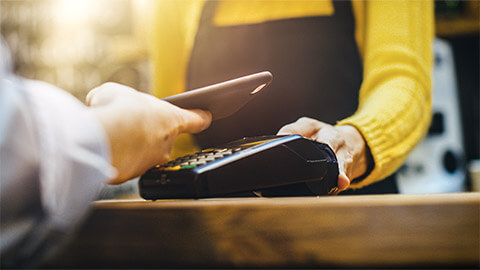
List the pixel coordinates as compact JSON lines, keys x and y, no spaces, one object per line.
{"x":449,"y":8}
{"x":454,"y":18}
{"x":437,"y":126}
{"x":466,"y":51}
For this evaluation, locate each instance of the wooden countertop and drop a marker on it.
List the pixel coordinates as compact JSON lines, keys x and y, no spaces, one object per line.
{"x":339,"y":231}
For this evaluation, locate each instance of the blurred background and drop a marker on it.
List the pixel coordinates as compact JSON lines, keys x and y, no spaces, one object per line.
{"x":79,"y":44}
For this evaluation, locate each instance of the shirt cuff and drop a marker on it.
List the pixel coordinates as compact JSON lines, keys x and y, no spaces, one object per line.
{"x":74,"y":154}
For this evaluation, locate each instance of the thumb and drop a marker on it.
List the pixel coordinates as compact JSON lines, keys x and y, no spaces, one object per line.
{"x":195,"y":121}
{"x":343,"y":180}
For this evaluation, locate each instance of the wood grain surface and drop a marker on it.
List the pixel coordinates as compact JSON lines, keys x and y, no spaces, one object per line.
{"x":342,"y":231}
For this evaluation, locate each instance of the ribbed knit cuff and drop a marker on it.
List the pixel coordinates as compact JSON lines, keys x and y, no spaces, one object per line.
{"x":371,"y":131}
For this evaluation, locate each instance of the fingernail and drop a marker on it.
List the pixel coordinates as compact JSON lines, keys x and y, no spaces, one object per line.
{"x":344,"y":185}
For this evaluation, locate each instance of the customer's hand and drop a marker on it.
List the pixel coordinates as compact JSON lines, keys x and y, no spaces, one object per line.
{"x":346,"y":141}
{"x":141,"y":128}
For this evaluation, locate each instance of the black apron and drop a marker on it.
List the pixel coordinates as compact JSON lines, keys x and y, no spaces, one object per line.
{"x":315,"y":63}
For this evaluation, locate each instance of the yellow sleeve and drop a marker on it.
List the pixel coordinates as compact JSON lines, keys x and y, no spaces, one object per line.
{"x":175,"y":26}
{"x":394,"y":110}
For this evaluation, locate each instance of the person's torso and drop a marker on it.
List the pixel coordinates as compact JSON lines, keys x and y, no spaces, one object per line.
{"x":314,"y":59}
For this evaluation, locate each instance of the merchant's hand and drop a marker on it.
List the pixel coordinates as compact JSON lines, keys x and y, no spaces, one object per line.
{"x":346,"y":141}
{"x":141,"y":128}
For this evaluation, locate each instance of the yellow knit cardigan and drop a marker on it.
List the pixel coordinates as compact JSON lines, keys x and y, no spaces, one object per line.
{"x":395,"y":42}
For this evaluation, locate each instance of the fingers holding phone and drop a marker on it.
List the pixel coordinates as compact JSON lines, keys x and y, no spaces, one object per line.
{"x":141,"y":128}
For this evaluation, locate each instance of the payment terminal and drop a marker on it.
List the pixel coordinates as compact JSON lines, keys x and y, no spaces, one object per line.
{"x":253,"y":164}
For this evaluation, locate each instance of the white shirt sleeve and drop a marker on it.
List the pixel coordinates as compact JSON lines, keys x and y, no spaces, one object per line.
{"x":54,"y":159}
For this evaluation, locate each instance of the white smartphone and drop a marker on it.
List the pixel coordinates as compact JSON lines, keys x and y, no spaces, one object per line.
{"x":223,"y":99}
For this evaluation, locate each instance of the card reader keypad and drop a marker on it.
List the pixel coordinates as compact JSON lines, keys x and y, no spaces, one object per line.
{"x":198,"y":159}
